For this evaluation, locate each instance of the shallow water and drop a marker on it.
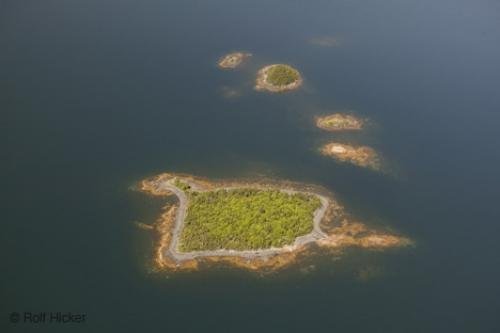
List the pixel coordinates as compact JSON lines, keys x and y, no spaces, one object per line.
{"x":97,"y":95}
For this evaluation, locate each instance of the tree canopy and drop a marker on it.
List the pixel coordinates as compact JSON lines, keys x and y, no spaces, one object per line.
{"x":246,"y":219}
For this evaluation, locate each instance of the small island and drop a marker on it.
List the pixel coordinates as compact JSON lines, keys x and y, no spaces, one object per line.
{"x":260,"y":225}
{"x":339,"y":122}
{"x":229,"y":92}
{"x":233,"y":60}
{"x":361,"y":156}
{"x":278,"y":78}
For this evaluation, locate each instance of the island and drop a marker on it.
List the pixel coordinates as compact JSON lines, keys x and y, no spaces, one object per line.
{"x":259,"y":225}
{"x":278,"y":78}
{"x":361,"y":155}
{"x":339,"y":122}
{"x":233,"y":60}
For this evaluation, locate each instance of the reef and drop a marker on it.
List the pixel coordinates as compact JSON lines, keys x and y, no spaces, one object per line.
{"x":233,"y":60}
{"x":339,"y":122}
{"x":361,"y":156}
{"x":325,"y":41}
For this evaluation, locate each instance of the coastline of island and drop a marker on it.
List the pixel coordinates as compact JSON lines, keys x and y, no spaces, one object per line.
{"x":331,"y":227}
{"x":339,"y":122}
{"x":278,"y":78}
{"x":361,"y":156}
{"x":233,"y":60}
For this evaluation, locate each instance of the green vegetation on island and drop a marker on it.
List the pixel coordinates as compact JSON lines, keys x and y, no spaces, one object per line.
{"x":282,"y":75}
{"x":246,"y":219}
{"x":339,"y":122}
{"x":182,"y":185}
{"x":278,"y":78}
{"x":233,"y":60}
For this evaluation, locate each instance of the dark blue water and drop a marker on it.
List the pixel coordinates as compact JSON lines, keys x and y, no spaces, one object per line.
{"x":96,"y":95}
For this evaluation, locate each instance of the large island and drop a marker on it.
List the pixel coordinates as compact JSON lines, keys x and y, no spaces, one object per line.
{"x":261,"y":225}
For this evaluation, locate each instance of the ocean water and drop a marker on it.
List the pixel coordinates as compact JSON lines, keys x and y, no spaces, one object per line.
{"x":97,"y":95}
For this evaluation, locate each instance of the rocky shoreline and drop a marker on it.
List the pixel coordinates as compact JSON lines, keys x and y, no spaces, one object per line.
{"x":262,"y":82}
{"x":339,"y":122}
{"x":361,"y":156}
{"x":344,"y":233}
{"x":233,"y":60}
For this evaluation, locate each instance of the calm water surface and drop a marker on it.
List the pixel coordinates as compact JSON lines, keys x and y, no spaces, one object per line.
{"x":96,"y":95}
